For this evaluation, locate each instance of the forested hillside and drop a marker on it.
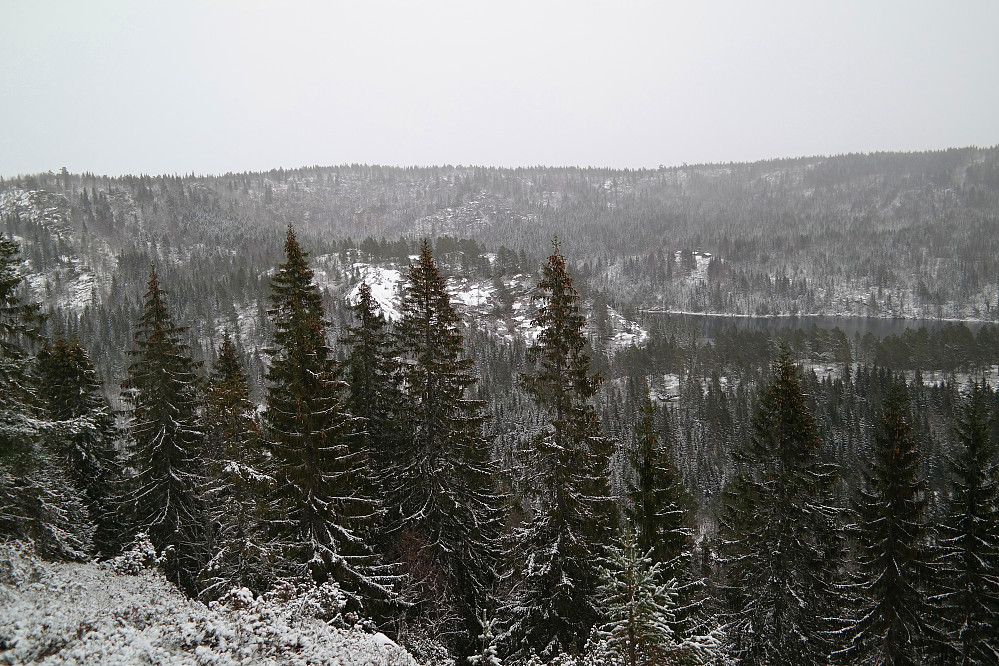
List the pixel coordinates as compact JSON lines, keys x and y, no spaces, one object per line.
{"x":445,"y":401}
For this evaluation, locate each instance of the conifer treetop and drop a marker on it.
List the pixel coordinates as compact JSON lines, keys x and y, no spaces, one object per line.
{"x":561,"y":378}
{"x":227,"y":363}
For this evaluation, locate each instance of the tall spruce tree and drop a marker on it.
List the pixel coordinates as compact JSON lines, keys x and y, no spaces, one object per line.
{"x":658,"y":503}
{"x":451,"y":514}
{"x":777,"y":528}
{"x":72,"y":394}
{"x":375,"y":393}
{"x":19,"y":329}
{"x":893,"y":560}
{"x":558,"y":552}
{"x":660,"y":510}
{"x":165,"y":441}
{"x":324,"y":507}
{"x":237,"y":483}
{"x":968,"y":567}
{"x":36,"y":503}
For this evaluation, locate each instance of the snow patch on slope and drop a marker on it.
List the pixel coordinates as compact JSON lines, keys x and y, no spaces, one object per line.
{"x":385,"y":288}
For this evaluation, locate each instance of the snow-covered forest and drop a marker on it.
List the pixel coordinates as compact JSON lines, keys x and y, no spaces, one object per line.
{"x":319,"y":414}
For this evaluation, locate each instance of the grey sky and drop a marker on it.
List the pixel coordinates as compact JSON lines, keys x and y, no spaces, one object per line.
{"x":208,"y":87}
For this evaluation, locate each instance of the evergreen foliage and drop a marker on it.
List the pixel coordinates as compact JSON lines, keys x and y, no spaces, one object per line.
{"x":19,"y":321}
{"x":574,"y":514}
{"x":638,"y":605}
{"x":375,"y":394}
{"x":165,"y":442}
{"x":446,"y":474}
{"x":36,"y":502}
{"x":240,"y":553}
{"x":660,"y":510}
{"x":486,"y":655}
{"x":968,"y":567}
{"x":659,"y":504}
{"x":777,"y":557}
{"x":84,"y":441}
{"x":776,"y":534}
{"x":324,"y":511}
{"x":893,"y":559}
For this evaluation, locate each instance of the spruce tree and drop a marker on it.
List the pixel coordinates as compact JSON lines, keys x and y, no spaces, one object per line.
{"x":237,"y":483}
{"x":375,"y":394}
{"x":659,"y":509}
{"x":446,"y":475}
{"x":893,"y":558}
{"x":19,"y":324}
{"x":36,"y":502}
{"x":558,"y":552}
{"x":486,"y":654}
{"x":968,"y":567}
{"x":165,"y":441}
{"x":639,"y":607}
{"x":776,"y":531}
{"x":658,"y":503}
{"x":324,"y":510}
{"x":72,"y":394}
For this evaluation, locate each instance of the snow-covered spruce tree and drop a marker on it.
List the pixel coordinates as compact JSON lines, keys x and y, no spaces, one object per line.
{"x":967,"y":571}
{"x":486,"y":655}
{"x":71,"y":394}
{"x":445,"y":473}
{"x":19,"y":322}
{"x":639,"y":606}
{"x":777,"y":536}
{"x":893,"y":560}
{"x":165,"y":441}
{"x":324,"y":512}
{"x":557,"y":553}
{"x":658,"y":505}
{"x":372,"y":371}
{"x":237,"y":482}
{"x":659,"y":509}
{"x":36,"y":502}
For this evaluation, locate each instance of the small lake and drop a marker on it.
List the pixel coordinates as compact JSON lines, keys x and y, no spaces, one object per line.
{"x":710,"y":325}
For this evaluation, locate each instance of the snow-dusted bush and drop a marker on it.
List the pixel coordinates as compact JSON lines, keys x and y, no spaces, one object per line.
{"x":140,"y":557}
{"x":63,"y":613}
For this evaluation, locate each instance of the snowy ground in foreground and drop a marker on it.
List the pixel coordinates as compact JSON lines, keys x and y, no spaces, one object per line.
{"x":60,"y":613}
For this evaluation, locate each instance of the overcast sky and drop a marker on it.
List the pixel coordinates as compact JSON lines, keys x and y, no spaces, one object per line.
{"x":210,"y":87}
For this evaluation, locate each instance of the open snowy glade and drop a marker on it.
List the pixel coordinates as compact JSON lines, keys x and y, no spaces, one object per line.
{"x":124,"y":612}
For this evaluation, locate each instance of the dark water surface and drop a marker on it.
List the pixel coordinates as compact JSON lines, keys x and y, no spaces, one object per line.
{"x":853,"y":326}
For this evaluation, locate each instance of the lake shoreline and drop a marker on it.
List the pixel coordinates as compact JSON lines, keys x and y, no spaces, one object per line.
{"x":711,"y":324}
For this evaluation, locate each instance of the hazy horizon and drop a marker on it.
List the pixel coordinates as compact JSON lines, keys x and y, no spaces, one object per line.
{"x":214,"y":87}
{"x":443,"y":165}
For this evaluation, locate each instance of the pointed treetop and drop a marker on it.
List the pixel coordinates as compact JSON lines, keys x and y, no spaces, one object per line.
{"x":156,"y":316}
{"x":366,"y":305}
{"x":427,"y":256}
{"x":227,"y":364}
{"x":291,"y":246}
